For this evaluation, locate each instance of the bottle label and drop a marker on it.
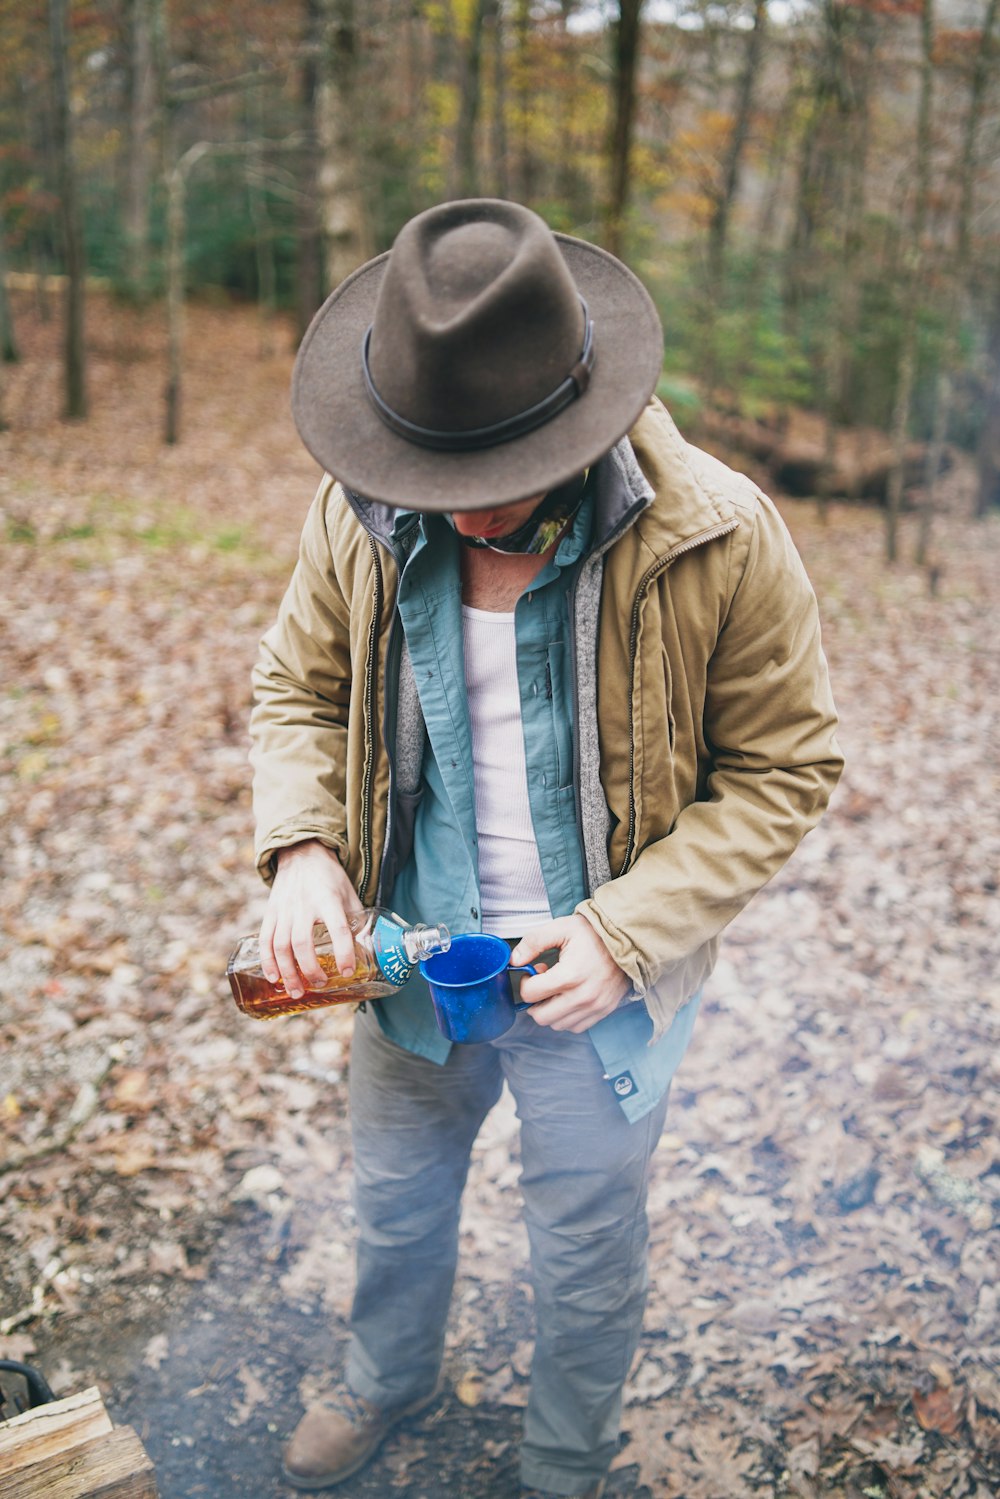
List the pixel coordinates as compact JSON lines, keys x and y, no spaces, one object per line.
{"x":390,"y":954}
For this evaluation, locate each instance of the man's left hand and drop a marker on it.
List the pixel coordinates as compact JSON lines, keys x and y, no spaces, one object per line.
{"x":583,"y":986}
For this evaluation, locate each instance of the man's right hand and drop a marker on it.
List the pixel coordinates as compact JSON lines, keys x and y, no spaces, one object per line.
{"x":310,"y":884}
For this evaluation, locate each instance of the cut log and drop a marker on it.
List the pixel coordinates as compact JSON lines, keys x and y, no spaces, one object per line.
{"x":70,"y":1450}
{"x":51,"y":1429}
{"x":115,"y":1466}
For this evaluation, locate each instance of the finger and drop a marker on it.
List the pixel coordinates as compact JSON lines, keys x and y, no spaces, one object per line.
{"x":541,"y":986}
{"x":538,"y":940}
{"x":574,"y":1021}
{"x":304,"y":951}
{"x":284,"y":957}
{"x":557,"y":1014}
{"x":341,"y":938}
{"x":577,"y":1002}
{"x":265,"y":945}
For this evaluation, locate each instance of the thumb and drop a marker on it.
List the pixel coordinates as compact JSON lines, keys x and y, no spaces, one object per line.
{"x":538,"y":940}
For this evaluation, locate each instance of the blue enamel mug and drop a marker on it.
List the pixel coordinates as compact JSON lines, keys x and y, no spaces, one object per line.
{"x":470,"y":987}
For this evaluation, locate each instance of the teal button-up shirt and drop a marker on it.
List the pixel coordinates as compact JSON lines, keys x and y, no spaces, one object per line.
{"x":439,"y":881}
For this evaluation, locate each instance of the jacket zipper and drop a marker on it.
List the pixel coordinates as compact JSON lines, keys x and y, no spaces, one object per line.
{"x":369,"y":699}
{"x":388,"y":738}
{"x":622,"y":525}
{"x":391,"y":702}
{"x":653,"y":572}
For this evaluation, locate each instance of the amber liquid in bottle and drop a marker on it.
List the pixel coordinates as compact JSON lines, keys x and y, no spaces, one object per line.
{"x":380,"y":938}
{"x":258,"y":997}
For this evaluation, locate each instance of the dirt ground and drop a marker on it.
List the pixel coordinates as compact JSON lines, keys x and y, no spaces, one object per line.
{"x":175,"y":1220}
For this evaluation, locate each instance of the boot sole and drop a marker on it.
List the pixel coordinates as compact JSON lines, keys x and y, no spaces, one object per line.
{"x":330,"y":1480}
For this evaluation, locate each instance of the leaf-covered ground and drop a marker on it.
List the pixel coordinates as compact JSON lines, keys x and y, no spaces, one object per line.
{"x":175,"y":1219}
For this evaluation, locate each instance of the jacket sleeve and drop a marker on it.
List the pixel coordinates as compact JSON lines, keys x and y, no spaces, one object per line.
{"x":302,"y":684}
{"x":769,"y":723}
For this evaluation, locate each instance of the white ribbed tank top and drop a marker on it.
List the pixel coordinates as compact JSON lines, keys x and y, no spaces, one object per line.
{"x":511,"y":887}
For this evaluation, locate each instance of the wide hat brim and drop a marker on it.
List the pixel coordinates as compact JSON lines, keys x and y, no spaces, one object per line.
{"x":344,"y":433}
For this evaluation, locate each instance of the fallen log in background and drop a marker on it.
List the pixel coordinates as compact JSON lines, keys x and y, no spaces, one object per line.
{"x":797,"y":466}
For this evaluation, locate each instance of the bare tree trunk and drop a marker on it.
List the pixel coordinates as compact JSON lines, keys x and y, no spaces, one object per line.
{"x":713,"y":283}
{"x":719,"y":224}
{"x":957,"y":300}
{"x":465,"y":176}
{"x":142,"y":114}
{"x":625,"y":66}
{"x":913,"y":283}
{"x":346,"y":235}
{"x":69,"y":215}
{"x":819,"y":162}
{"x":905,"y":372}
{"x":175,"y":304}
{"x":566,"y":104}
{"x":970,"y":136}
{"x":8,"y":341}
{"x":263,"y":232}
{"x":176,"y":179}
{"x":309,"y":281}
{"x":176,"y":183}
{"x":414,"y":72}
{"x":498,"y":124}
{"x":526,"y":156}
{"x":844,"y":275}
{"x":988,"y":455}
{"x":943,"y":395}
{"x":9,"y":353}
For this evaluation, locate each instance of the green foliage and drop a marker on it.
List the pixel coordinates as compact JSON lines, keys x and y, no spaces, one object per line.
{"x":779,"y":369}
{"x":681,"y":399}
{"x":754,"y":354}
{"x":738,"y":342}
{"x":111,"y":523}
{"x":770,"y":329}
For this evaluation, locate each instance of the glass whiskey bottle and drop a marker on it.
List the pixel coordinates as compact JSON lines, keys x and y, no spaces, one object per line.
{"x":386,"y":949}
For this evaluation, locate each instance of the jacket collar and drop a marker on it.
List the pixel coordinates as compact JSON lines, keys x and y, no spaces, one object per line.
{"x":690,"y":501}
{"x":620,"y":493}
{"x":653,"y":463}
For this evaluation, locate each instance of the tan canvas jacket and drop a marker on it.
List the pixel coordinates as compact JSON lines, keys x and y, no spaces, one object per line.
{"x":715,"y":718}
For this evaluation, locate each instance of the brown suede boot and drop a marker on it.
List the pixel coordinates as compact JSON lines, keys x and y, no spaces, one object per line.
{"x":337,"y":1437}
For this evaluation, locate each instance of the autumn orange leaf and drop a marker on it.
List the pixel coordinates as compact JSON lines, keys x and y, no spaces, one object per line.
{"x":935,"y":1412}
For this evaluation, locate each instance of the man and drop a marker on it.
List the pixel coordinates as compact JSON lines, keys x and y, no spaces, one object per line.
{"x":543,"y":670}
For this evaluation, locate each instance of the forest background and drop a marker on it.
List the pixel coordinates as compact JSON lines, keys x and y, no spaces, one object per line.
{"x":811,"y":192}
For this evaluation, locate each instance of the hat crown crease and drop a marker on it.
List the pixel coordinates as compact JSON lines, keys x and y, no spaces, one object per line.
{"x":473,"y":328}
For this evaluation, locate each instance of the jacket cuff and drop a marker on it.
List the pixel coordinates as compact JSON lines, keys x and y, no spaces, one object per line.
{"x":266,"y":866}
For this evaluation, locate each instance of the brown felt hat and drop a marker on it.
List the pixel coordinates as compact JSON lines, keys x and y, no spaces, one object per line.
{"x":482,"y":360}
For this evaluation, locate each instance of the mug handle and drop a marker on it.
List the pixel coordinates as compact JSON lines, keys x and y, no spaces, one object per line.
{"x":521,"y":968}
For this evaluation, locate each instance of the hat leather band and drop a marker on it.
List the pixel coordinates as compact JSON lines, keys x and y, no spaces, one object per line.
{"x":475,"y":438}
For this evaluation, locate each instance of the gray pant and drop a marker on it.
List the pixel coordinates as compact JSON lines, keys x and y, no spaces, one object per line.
{"x":584,"y":1173}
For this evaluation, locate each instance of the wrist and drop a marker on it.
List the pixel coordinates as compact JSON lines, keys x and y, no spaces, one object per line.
{"x":308,"y":855}
{"x":309,"y":848}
